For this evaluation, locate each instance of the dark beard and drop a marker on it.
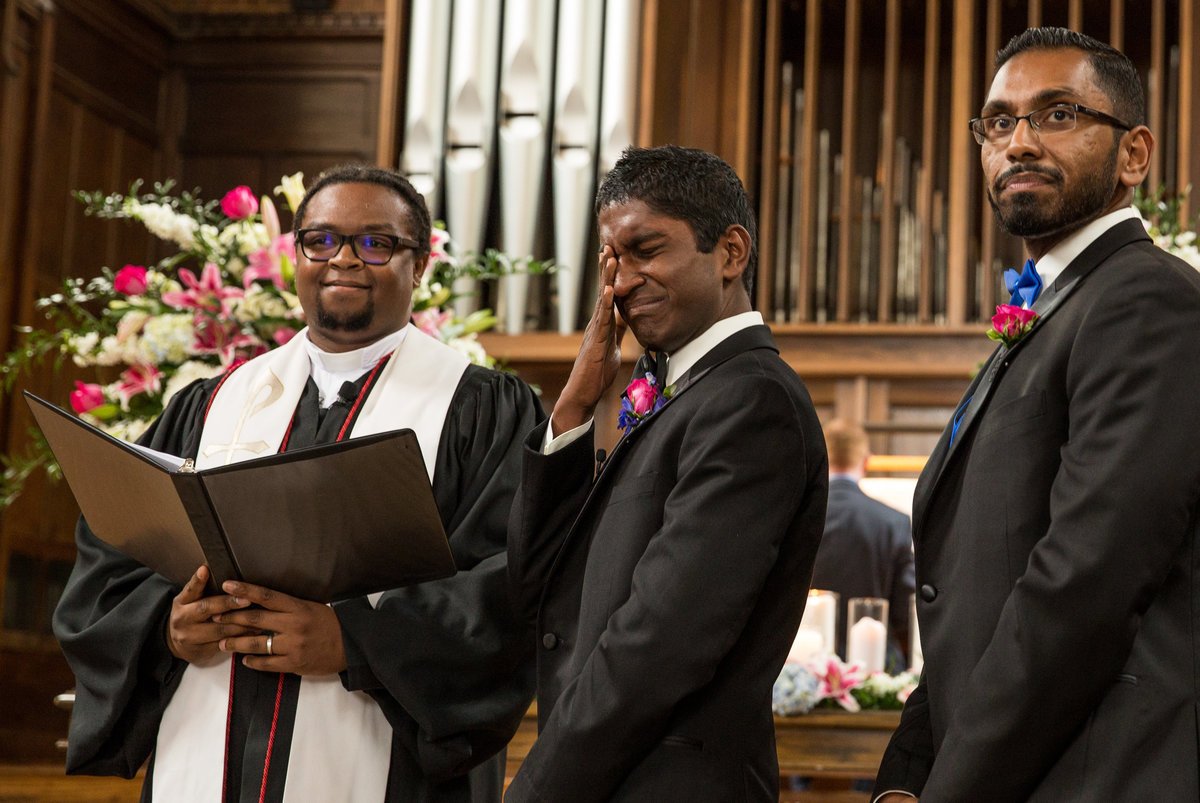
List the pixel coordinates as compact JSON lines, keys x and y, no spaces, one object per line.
{"x":355,"y":322}
{"x":1029,"y":219}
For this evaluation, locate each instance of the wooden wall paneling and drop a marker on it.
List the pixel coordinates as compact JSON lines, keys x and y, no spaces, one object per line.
{"x":987,"y":222}
{"x":808,"y":160}
{"x":774,"y":153}
{"x":1116,"y":23}
{"x":742,"y":81}
{"x":851,"y":66}
{"x":1156,"y":87}
{"x":260,"y":107}
{"x":1075,"y":15}
{"x":963,"y":166}
{"x":1033,"y":13}
{"x":92,"y":121}
{"x":40,"y":196}
{"x":701,"y":121}
{"x":391,"y":87}
{"x":19,"y":98}
{"x":929,"y":142}
{"x":878,"y":408}
{"x":886,"y":180}
{"x":648,"y":63}
{"x":685,"y":71}
{"x":1189,"y":122}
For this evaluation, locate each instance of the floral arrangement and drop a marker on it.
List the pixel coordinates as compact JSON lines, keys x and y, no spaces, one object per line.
{"x":1011,"y":323}
{"x":828,"y":682}
{"x":224,"y":295}
{"x":640,"y":400}
{"x":1165,"y":224}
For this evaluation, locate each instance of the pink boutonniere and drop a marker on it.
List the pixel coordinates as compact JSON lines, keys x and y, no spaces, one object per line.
{"x":640,"y":400}
{"x":1011,"y":323}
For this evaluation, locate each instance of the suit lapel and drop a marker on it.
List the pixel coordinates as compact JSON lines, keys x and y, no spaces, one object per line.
{"x":754,"y":337}
{"x":980,"y":390}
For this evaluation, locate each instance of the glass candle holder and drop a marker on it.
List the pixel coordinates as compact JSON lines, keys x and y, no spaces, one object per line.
{"x":866,"y":632}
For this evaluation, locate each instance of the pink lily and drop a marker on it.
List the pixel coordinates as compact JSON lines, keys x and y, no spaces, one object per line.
{"x":283,"y":335}
{"x":266,"y":263}
{"x":224,"y":339}
{"x":208,"y":293}
{"x":837,"y":679}
{"x":439,"y":240}
{"x":138,"y":379}
{"x":430,"y":321}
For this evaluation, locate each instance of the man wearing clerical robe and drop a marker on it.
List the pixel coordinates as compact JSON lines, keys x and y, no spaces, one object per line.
{"x":408,"y":695}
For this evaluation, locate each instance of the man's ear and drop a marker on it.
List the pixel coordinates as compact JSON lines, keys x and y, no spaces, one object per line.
{"x":736,"y":252}
{"x":420,"y":265}
{"x":1137,"y":156}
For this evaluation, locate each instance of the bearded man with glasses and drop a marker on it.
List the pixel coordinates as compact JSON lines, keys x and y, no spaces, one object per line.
{"x":1055,"y":524}
{"x":408,"y":695}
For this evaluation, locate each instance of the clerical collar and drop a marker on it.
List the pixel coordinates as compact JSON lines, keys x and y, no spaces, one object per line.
{"x":1055,"y":261}
{"x":329,"y":370}
{"x":684,"y":358}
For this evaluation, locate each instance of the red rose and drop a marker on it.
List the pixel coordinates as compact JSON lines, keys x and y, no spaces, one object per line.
{"x":641,"y":395}
{"x":130,"y":280}
{"x":86,"y":397}
{"x":1011,"y":323}
{"x":239,"y":203}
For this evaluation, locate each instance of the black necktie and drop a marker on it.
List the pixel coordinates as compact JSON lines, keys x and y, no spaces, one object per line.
{"x":656,"y":363}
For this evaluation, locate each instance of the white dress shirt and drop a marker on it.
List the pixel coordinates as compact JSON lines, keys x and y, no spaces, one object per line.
{"x":677,"y":365}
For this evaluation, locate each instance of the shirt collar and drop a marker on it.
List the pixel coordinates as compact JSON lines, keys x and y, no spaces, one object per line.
{"x":687,"y":356}
{"x":329,"y":370}
{"x":1054,"y":261}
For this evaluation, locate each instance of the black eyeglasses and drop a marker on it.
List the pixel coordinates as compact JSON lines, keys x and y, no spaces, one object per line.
{"x":371,"y":247}
{"x":1057,"y":118}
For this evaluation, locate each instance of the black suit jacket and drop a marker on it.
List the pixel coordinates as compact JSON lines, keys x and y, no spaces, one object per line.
{"x":867,"y":552}
{"x":1056,"y":553}
{"x":667,"y":592}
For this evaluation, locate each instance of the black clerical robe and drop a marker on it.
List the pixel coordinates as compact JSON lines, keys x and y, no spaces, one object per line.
{"x":447,"y":661}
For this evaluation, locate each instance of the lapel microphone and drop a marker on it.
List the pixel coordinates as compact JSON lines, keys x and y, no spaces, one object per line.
{"x":346,"y":393}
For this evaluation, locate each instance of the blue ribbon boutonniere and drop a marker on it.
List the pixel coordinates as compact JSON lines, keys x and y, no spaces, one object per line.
{"x":1024,"y":286}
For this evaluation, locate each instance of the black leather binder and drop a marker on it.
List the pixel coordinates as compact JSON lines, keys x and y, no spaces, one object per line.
{"x":324,"y":523}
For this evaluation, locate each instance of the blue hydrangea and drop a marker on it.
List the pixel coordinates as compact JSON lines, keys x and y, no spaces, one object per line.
{"x":795,"y":691}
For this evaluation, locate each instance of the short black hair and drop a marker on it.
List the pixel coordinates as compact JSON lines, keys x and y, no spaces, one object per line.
{"x":418,"y":212}
{"x":1115,"y":74}
{"x":688,"y":184}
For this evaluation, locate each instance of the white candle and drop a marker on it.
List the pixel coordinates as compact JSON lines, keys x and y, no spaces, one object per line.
{"x":820,"y":614}
{"x":868,"y":644}
{"x":807,"y":646}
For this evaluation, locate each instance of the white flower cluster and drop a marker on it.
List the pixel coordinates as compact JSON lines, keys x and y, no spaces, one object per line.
{"x":186,"y":374}
{"x":91,"y":349}
{"x":258,"y":303}
{"x":126,"y":429}
{"x":168,"y":337}
{"x":881,"y":684}
{"x":1182,"y":245}
{"x":470,"y":347}
{"x":161,"y":283}
{"x":165,"y":223}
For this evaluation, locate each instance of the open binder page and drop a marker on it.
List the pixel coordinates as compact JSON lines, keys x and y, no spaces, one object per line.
{"x":168,"y":461}
{"x":323,"y":523}
{"x":334,"y":521}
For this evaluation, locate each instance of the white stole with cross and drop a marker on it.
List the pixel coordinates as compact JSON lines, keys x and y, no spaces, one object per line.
{"x":341,"y":742}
